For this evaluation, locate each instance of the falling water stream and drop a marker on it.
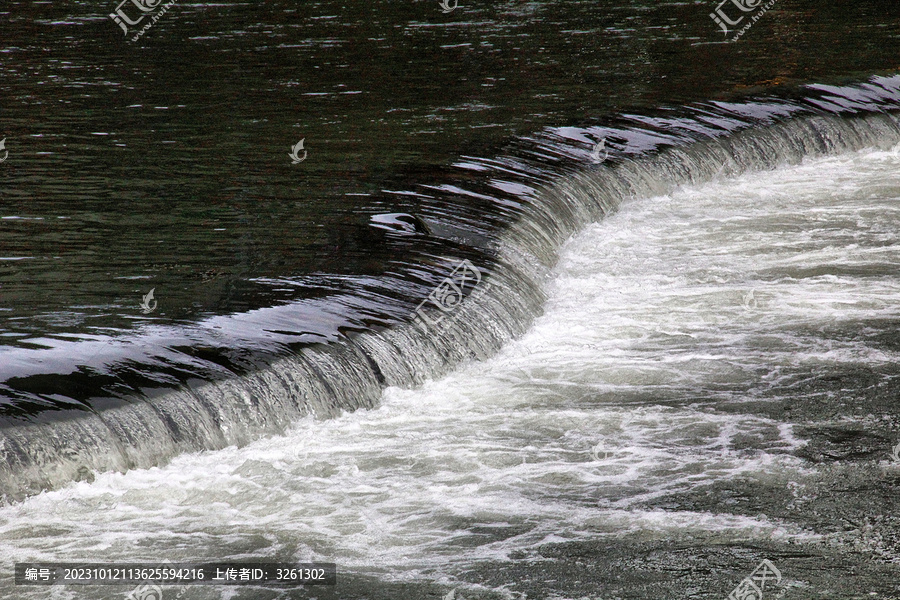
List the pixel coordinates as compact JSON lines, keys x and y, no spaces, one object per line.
{"x":681,"y":339}
{"x":678,"y":358}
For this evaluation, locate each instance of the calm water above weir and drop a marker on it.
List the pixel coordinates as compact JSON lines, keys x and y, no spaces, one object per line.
{"x":679,"y":358}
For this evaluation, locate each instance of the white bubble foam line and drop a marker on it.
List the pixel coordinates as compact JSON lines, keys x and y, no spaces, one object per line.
{"x":636,"y":305}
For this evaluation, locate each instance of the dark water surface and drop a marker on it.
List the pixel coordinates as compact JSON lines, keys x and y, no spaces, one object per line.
{"x":284,"y":290}
{"x":163,"y":164}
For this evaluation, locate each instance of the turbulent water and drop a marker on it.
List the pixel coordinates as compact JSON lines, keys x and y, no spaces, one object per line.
{"x":680,"y":341}
{"x":564,"y":301}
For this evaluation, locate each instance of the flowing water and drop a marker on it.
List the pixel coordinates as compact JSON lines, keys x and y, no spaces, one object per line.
{"x":681,"y":339}
{"x":679,"y":358}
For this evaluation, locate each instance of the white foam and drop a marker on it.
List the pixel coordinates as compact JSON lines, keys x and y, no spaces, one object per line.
{"x":606,"y":404}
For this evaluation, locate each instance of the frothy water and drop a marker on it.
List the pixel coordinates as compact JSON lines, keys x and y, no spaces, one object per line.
{"x":74,"y":407}
{"x":663,"y":321}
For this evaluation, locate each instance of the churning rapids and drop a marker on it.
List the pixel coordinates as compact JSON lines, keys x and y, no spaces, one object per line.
{"x":716,"y":304}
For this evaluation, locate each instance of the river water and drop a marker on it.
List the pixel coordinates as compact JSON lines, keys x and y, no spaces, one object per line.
{"x":681,"y":359}
{"x":658,"y":398}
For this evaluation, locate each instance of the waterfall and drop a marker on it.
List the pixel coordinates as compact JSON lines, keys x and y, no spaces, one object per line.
{"x":546,"y":188}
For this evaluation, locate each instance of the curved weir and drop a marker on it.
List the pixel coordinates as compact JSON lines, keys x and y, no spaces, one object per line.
{"x":138,"y":402}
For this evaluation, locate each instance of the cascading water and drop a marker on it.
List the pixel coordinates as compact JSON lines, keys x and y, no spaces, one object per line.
{"x":156,"y":395}
{"x":668,"y":375}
